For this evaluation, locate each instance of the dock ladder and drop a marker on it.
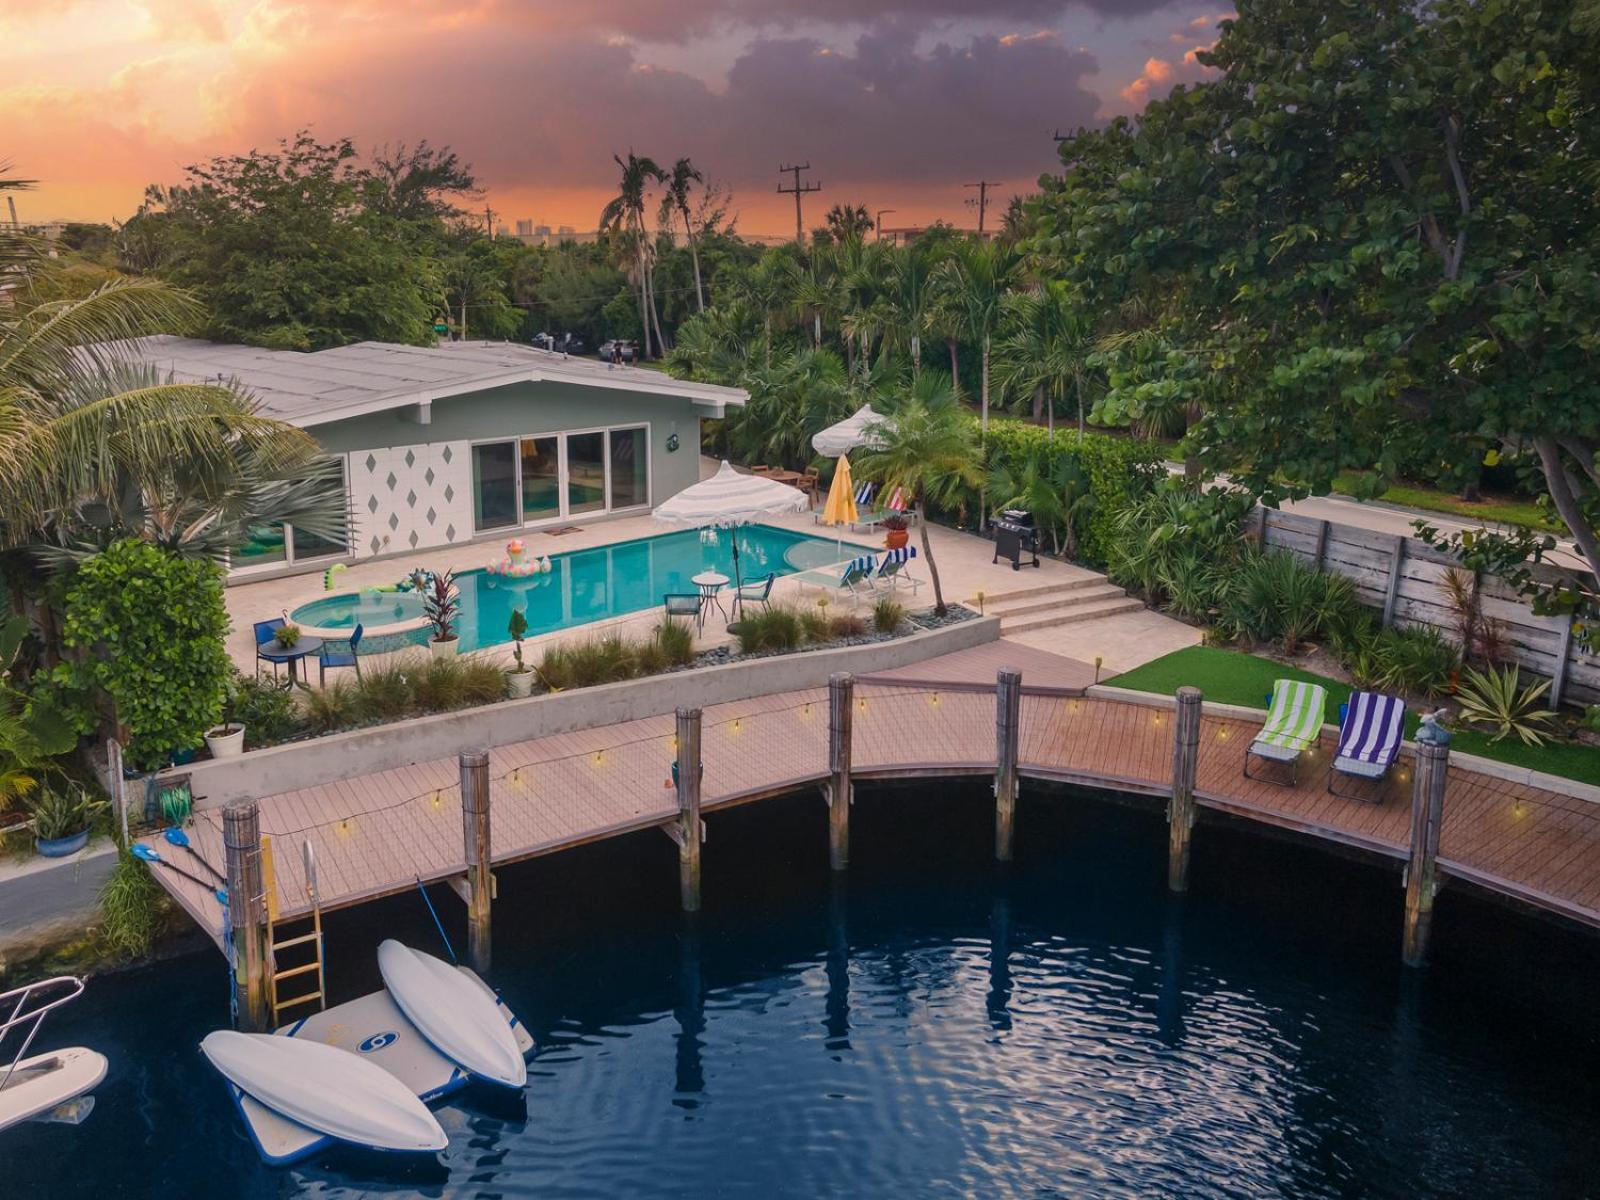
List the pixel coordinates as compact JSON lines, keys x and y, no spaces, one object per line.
{"x":311,"y":937}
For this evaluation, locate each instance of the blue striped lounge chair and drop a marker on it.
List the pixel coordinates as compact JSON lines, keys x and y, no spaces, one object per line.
{"x":891,"y":570}
{"x":1294,"y":723}
{"x":1370,"y":728}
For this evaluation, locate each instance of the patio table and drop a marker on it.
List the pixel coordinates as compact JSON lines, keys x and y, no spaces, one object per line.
{"x":710,"y":583}
{"x":290,"y":655}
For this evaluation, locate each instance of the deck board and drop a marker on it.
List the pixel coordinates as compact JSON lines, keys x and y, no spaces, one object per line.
{"x":377,"y":833}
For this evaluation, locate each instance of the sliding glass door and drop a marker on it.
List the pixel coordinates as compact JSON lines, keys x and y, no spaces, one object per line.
{"x":526,"y":481}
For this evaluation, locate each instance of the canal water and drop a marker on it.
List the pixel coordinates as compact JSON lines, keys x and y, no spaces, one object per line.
{"x":932,"y":1027}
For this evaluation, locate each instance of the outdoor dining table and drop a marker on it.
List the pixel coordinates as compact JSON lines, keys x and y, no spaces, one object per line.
{"x":792,"y":478}
{"x":305,"y":647}
{"x":710,"y":583}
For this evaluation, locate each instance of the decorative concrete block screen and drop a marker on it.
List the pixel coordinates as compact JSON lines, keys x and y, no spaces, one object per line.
{"x":1403,"y":578}
{"x":410,"y":497}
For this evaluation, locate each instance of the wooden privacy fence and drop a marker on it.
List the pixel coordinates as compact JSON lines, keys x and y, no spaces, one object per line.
{"x":1403,"y":578}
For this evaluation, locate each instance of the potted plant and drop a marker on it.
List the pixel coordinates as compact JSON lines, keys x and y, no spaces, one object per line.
{"x":287,"y":636}
{"x":521,"y":679}
{"x":896,"y":531}
{"x":61,"y":820}
{"x":441,"y":604}
{"x":227,"y":739}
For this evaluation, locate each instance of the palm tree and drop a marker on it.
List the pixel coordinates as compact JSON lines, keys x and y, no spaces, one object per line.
{"x":767,"y":288}
{"x":676,"y":203}
{"x":913,"y":301}
{"x":624,"y":215}
{"x":1046,"y":354}
{"x":83,"y":427}
{"x":976,"y":280}
{"x":927,"y":451}
{"x":1053,"y":488}
{"x":819,"y":290}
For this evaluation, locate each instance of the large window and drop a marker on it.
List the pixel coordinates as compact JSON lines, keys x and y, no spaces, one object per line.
{"x":586,"y":472}
{"x":629,"y":468}
{"x":269,"y":545}
{"x":494,"y":485}
{"x":310,"y":545}
{"x":541,"y":478}
{"x":552,"y":476}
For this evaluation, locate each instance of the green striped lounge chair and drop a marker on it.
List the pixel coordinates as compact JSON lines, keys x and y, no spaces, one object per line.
{"x":1294,"y":723}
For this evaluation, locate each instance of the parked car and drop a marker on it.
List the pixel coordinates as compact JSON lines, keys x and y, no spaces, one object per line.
{"x":560,"y":343}
{"x":619,"y":350}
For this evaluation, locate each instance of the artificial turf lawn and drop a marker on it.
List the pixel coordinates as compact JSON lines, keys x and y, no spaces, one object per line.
{"x":1232,"y":677}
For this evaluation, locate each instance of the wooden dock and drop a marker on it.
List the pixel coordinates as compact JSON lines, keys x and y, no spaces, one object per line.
{"x":378,"y":834}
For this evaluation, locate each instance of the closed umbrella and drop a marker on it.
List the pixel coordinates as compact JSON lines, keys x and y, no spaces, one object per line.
{"x":729,"y":499}
{"x":841,"y":506}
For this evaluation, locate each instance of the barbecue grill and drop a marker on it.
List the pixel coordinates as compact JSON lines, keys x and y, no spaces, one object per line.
{"x":1016,"y":538}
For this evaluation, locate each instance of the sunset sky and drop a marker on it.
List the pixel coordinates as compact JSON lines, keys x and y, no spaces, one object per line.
{"x":895,"y":103}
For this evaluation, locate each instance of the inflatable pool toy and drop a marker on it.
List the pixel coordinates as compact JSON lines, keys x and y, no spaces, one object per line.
{"x":328,"y":575}
{"x":516,"y":564}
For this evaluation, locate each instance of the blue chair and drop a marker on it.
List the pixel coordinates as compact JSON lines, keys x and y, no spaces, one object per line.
{"x":265,"y":632}
{"x":755,"y":593}
{"x":340,"y":658}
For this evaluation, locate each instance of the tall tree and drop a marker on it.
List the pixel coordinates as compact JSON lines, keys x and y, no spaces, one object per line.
{"x":927,"y":450}
{"x":624,"y":215}
{"x":675,"y":204}
{"x":1382,"y":224}
{"x":976,"y":278}
{"x":418,"y":183}
{"x":842,"y":223}
{"x":1046,"y":353}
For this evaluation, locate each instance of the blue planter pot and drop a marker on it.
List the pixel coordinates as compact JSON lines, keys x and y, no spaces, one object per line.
{"x":62,"y":847}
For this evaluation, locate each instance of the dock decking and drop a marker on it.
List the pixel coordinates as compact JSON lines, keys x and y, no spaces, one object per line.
{"x":377,"y":834}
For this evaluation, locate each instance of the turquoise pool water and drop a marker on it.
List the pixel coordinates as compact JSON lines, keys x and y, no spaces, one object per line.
{"x":589,"y":585}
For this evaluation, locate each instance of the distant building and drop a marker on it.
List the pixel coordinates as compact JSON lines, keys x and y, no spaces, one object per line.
{"x":904,"y":235}
{"x":530,"y":234}
{"x":524,"y":228}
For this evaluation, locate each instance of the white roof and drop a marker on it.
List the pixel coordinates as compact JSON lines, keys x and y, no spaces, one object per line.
{"x":322,"y":386}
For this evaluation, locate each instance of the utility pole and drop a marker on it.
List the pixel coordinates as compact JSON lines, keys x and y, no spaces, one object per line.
{"x":488,"y":223}
{"x":878,"y":224}
{"x":797,"y":191}
{"x":983,"y":186}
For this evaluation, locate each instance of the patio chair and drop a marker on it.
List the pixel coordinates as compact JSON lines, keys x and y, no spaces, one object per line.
{"x":856,"y":579}
{"x":1370,"y":727}
{"x":683,"y":604}
{"x":265,"y":631}
{"x":895,"y":507}
{"x":811,"y":484}
{"x":340,"y":658}
{"x":892,"y":569}
{"x":1294,"y":722}
{"x":759,"y":592}
{"x":760,"y":469}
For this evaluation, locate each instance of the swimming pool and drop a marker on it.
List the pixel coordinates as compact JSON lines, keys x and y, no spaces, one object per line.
{"x":588,"y":585}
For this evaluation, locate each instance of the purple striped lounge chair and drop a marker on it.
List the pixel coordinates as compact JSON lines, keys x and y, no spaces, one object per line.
{"x":1369,"y":742}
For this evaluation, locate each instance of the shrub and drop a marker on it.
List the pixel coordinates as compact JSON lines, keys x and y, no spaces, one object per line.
{"x":266,"y":710}
{"x":130,"y":907}
{"x":777,"y":627}
{"x":887,"y":614}
{"x":815,"y":625}
{"x":150,"y":629}
{"x":1416,"y":660}
{"x":606,"y":659}
{"x":384,"y":692}
{"x":1496,"y":698}
{"x":676,"y":642}
{"x":62,"y":812}
{"x":1153,"y":532}
{"x":847,"y":625}
{"x":437,"y":684}
{"x":1120,"y":471}
{"x":1276,"y":597}
{"x":650,"y":657}
{"x":332,"y":707}
{"x":482,"y":681}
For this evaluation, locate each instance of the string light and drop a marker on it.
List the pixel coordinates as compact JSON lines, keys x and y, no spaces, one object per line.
{"x":735,"y":726}
{"x":344,"y":827}
{"x":437,"y":801}
{"x":934,"y":699}
{"x":599,"y":757}
{"x":862,"y":705}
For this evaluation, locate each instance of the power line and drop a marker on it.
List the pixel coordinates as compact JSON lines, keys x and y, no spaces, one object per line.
{"x":797,"y":191}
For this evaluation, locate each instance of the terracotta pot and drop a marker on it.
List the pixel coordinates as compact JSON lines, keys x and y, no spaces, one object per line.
{"x":895,"y":538}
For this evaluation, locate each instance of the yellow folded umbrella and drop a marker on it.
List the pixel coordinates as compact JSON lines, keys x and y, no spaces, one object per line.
{"x":841,"y":506}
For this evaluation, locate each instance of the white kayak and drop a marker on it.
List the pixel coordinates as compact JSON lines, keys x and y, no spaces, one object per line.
{"x":455,"y":1012}
{"x":44,"y":1082}
{"x":327,"y":1089}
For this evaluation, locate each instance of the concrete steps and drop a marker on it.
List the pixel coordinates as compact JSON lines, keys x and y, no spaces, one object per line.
{"x":1049,"y":605}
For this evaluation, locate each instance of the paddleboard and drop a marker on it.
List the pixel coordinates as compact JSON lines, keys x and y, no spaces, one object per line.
{"x":44,"y":1081}
{"x":327,"y":1089}
{"x":456,"y":1013}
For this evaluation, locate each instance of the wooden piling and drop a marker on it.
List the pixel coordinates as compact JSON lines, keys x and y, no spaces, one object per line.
{"x":247,"y":915}
{"x":1008,"y":714}
{"x":839,"y":790}
{"x":689,"y":829}
{"x":475,"y":832}
{"x":1427,"y":813}
{"x":1180,"y":806}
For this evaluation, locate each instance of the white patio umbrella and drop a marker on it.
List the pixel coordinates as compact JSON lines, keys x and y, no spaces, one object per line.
{"x":844,"y":436}
{"x":729,"y":499}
